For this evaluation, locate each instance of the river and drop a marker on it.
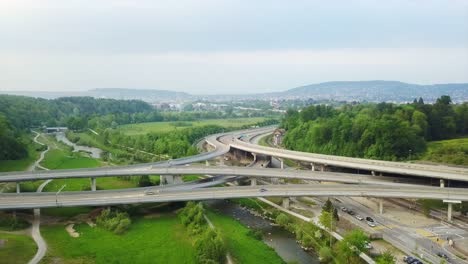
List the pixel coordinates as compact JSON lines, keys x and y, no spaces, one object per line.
{"x":283,"y":242}
{"x":93,"y":152}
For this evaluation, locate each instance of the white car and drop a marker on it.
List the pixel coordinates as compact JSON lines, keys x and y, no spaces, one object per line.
{"x":151,"y":192}
{"x":360,"y":218}
{"x":371,"y":224}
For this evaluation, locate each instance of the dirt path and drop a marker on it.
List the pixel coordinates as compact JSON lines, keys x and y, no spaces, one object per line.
{"x":35,"y":231}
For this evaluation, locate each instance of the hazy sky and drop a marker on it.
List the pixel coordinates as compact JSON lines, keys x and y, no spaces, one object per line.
{"x":229,"y":46}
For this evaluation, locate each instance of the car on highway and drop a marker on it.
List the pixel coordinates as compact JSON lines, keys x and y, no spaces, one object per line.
{"x":371,"y":224}
{"x":344,"y":209}
{"x":442,"y":255}
{"x":358,"y":217}
{"x":369,"y":219}
{"x":411,"y":260}
{"x":151,"y":192}
{"x":351,"y":212}
{"x":263,"y":190}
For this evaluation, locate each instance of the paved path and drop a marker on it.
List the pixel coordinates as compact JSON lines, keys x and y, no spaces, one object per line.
{"x":36,"y":232}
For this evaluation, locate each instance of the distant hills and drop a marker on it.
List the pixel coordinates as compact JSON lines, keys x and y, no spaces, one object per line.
{"x":371,"y":91}
{"x":376,"y":91}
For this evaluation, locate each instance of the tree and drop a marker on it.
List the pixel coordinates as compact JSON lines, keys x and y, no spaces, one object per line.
{"x":327,"y":220}
{"x":325,"y":254}
{"x":352,"y":244}
{"x":282,"y":219}
{"x":210,"y":248}
{"x":144,"y":181}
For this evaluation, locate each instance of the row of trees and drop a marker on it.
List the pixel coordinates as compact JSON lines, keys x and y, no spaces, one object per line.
{"x":379,"y":131}
{"x":209,"y":244}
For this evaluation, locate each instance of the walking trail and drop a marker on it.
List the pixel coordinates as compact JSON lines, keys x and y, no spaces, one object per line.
{"x":36,"y":232}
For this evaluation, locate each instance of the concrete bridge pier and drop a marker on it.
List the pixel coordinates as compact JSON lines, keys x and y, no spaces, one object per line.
{"x":253,"y":181}
{"x":207,"y":163}
{"x":442,"y":183}
{"x":166,"y":179}
{"x":312,"y":166}
{"x":93,"y":184}
{"x":18,"y":187}
{"x":323,"y":167}
{"x":281,"y":163}
{"x":177,"y":179}
{"x":381,"y":206}
{"x":373,"y":173}
{"x":449,"y":212}
{"x":254,"y":156}
{"x":285,"y":203}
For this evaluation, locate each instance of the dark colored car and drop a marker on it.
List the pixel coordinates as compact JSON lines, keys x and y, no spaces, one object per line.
{"x":351,"y":212}
{"x":442,"y":255}
{"x":263,"y":190}
{"x":369,"y":219}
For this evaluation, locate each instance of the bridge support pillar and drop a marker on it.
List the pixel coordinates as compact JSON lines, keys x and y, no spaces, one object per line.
{"x":177,"y":179}
{"x":254,"y":156}
{"x":322,"y":168}
{"x":373,"y":173}
{"x":442,"y":183}
{"x":93,"y":184}
{"x":380,"y":206}
{"x":449,"y":212}
{"x":285,"y":203}
{"x":312,"y":166}
{"x":281,"y":163}
{"x":207,"y":163}
{"x":166,"y":179}
{"x":18,"y":187}
{"x":253,"y":181}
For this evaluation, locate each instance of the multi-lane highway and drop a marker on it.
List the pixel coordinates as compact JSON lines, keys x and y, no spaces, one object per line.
{"x":419,"y":170}
{"x":146,"y":195}
{"x":205,"y":170}
{"x":222,"y":144}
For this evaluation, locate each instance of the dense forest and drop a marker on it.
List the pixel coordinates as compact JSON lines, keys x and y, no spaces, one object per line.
{"x":19,"y":113}
{"x":378,"y":131}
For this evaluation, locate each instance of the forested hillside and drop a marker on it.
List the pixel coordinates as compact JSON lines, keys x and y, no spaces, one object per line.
{"x":378,"y":131}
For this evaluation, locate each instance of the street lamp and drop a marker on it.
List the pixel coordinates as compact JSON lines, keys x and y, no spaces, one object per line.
{"x":56,"y":194}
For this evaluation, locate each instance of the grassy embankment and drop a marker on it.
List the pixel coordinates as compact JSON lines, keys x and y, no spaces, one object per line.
{"x":143,"y":128}
{"x":16,"y":248}
{"x":451,"y":151}
{"x":149,"y":240}
{"x":242,"y":247}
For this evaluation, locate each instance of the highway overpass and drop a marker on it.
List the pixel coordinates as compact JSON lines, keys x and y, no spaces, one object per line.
{"x":204,"y":170}
{"x":138,"y":195}
{"x":401,"y":168}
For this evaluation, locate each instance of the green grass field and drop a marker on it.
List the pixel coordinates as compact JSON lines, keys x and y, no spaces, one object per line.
{"x":143,"y":128}
{"x":64,"y":159}
{"x":16,"y":248}
{"x":242,"y":247}
{"x":452,"y":151}
{"x":157,"y":240}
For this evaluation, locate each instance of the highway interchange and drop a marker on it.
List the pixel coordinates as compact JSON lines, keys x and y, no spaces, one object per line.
{"x":356,"y":185}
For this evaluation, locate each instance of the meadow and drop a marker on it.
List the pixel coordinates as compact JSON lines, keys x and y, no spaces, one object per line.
{"x":16,"y":248}
{"x":162,"y":239}
{"x":144,"y":128}
{"x":243,"y":247}
{"x":451,"y":151}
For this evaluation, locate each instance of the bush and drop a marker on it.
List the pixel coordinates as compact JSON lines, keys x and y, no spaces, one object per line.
{"x":11,"y":222}
{"x":114,"y":221}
